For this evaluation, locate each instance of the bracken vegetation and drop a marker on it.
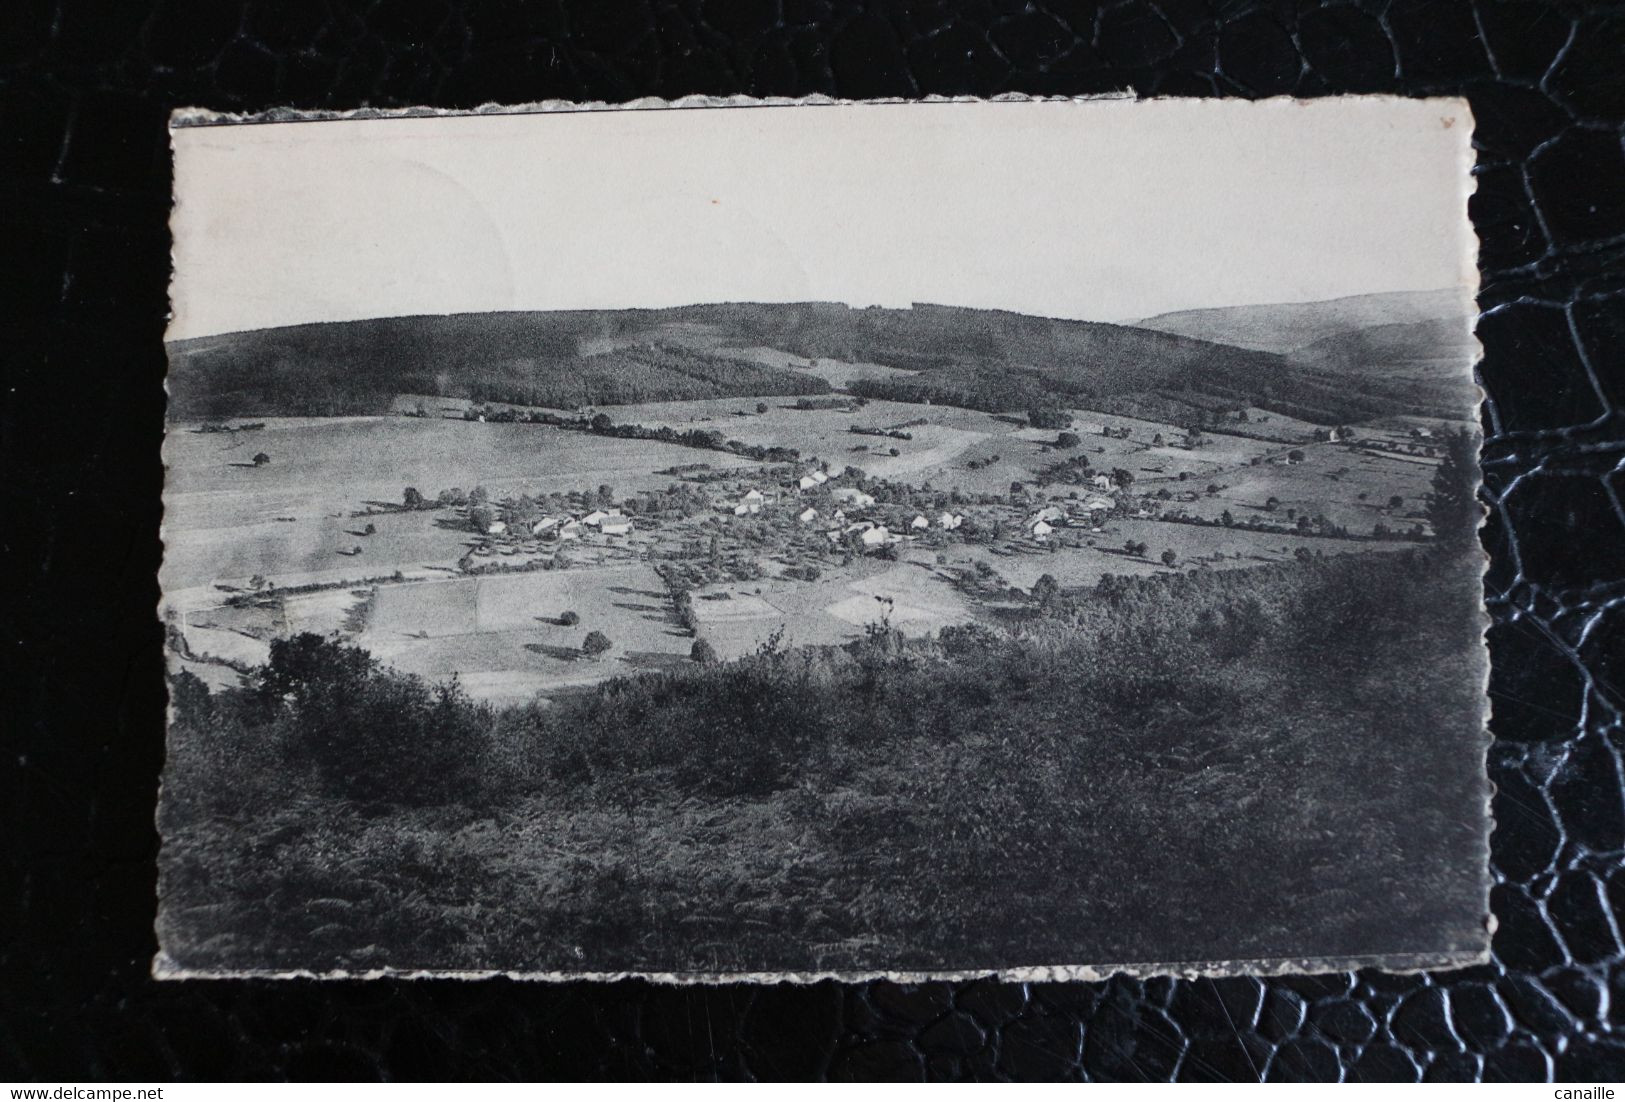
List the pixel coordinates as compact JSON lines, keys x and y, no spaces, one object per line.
{"x":1124,"y":771}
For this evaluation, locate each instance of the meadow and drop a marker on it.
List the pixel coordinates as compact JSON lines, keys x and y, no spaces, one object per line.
{"x":220,"y":511}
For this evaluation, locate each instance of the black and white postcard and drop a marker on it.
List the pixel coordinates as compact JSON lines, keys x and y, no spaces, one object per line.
{"x":788,"y":540}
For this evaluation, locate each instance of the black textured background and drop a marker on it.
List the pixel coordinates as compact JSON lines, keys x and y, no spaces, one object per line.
{"x":84,"y":183}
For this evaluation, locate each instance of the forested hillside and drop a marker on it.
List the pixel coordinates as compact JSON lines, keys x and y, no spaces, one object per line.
{"x":984,"y":359}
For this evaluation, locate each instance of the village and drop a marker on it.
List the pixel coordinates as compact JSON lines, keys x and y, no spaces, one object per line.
{"x":710,"y":552}
{"x":545,"y":579}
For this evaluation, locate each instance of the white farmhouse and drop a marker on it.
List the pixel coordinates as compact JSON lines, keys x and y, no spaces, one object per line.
{"x":950,"y":521}
{"x":545,"y":525}
{"x":616,"y":526}
{"x":806,"y":482}
{"x":495,"y":528}
{"x":570,"y":530}
{"x":595,"y":518}
{"x":875,"y":537}
{"x":1102,"y":482}
{"x":851,"y":495}
{"x":808,"y":515}
{"x":1041,"y":529}
{"x":919,"y":522}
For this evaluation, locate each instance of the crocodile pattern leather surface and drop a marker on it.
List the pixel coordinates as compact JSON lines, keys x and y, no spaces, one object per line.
{"x":84,"y":92}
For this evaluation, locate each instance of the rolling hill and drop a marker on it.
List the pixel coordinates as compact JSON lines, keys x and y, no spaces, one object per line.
{"x":986,"y":359}
{"x":1286,"y":327}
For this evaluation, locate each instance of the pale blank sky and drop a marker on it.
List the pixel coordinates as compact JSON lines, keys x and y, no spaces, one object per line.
{"x":1105,"y":210}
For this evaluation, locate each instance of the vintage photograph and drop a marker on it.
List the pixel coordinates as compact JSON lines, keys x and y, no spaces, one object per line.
{"x":789,"y":540}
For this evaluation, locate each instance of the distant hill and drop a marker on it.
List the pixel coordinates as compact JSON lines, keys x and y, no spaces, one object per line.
{"x":1286,"y":327}
{"x":985,"y":359}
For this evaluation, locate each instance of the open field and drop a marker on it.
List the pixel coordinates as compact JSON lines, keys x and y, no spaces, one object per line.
{"x":837,"y":373}
{"x":834,"y":610}
{"x":501,"y":633}
{"x":220,"y":512}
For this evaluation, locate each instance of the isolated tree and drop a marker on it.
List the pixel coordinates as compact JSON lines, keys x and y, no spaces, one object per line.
{"x":257,"y":582}
{"x":1296,"y":455}
{"x":481,"y":517}
{"x":1157,"y":440}
{"x":1227,"y":518}
{"x":1272,"y":504}
{"x":1452,"y":505}
{"x":569,"y":619}
{"x":606,"y":495}
{"x":703,"y":653}
{"x":1017,"y":489}
{"x":1304,"y":523}
{"x":1169,"y":557}
{"x":412,"y":498}
{"x":370,"y":530}
{"x":1068,"y":440}
{"x":761,"y":407}
{"x":1046,"y":590}
{"x":1123,"y":477}
{"x":601,"y":423}
{"x":1396,"y":502}
{"x":595,"y":643}
{"x":479,"y":495}
{"x":261,"y":459}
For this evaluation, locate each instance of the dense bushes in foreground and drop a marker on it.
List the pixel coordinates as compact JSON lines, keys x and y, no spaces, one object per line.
{"x":1120,"y":778}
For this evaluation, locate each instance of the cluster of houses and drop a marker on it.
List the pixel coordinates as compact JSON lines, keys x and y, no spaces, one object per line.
{"x":564,"y":527}
{"x":1088,"y":513}
{"x":871,"y":534}
{"x":1040,"y":526}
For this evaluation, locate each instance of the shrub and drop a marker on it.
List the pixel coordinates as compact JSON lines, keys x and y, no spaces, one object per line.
{"x":570,"y":619}
{"x":372,"y":735}
{"x":596,"y":643}
{"x":703,"y":653}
